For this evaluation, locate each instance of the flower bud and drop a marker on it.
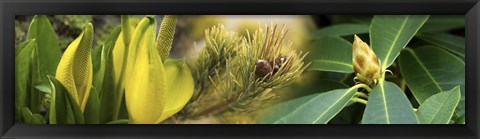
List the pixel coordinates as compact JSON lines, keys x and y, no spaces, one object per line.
{"x":365,"y":63}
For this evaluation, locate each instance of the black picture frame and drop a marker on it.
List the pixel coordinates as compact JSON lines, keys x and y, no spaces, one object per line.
{"x":10,"y":8}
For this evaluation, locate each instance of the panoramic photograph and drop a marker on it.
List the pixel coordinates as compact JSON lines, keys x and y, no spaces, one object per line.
{"x":239,"y":69}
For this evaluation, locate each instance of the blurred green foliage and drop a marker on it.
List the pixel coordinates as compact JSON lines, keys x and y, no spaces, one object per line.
{"x":68,"y":27}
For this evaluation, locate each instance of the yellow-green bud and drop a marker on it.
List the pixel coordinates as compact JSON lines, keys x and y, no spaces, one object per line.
{"x":365,"y":63}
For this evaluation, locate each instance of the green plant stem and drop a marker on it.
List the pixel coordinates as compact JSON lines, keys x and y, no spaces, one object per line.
{"x":403,"y":85}
{"x":360,"y":94}
{"x":359,"y":100}
{"x":366,"y":87}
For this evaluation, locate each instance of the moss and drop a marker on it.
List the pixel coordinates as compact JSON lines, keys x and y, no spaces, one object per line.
{"x":74,"y":21}
{"x":103,"y":31}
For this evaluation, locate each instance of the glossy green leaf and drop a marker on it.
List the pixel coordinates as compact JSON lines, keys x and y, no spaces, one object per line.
{"x":332,"y":54}
{"x":452,"y":43}
{"x":35,"y":95}
{"x":92,"y":109}
{"x":30,"y":118}
{"x":45,"y":88}
{"x":104,"y":76}
{"x":311,"y":109}
{"x":57,"y":103}
{"x":108,"y":97}
{"x":47,"y":48}
{"x":387,"y":104}
{"x":428,"y":70}
{"x":63,"y":108}
{"x":342,"y":30}
{"x":97,"y":60}
{"x":23,"y":60}
{"x":439,"y":108}
{"x":391,"y":33}
{"x":26,"y":115}
{"x":19,"y":48}
{"x":100,"y":58}
{"x":458,"y":120}
{"x":443,"y":23}
{"x":38,"y":119}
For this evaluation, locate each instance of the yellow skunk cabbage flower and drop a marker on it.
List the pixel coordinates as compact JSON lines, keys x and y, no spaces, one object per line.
{"x":120,"y":56}
{"x":154,"y":90}
{"x":145,"y":85}
{"x":365,"y":63}
{"x":128,"y":26}
{"x":75,"y":68}
{"x":180,"y":86}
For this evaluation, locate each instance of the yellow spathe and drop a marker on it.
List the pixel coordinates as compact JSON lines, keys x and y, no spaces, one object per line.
{"x":75,"y":68}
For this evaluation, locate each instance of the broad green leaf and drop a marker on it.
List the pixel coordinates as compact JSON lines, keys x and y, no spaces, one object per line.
{"x":180,"y":86}
{"x":47,"y":48}
{"x":145,"y":87}
{"x":26,"y":115}
{"x":45,"y":88}
{"x":459,"y":120}
{"x":30,"y":118}
{"x":57,"y":111}
{"x":74,"y":110}
{"x":443,"y":23}
{"x":104,"y":76}
{"x":19,"y":48}
{"x":35,"y":95}
{"x":342,"y":30}
{"x":332,"y":54}
{"x":311,"y":109}
{"x":439,"y":108}
{"x":452,"y":43}
{"x":107,"y":95}
{"x":23,"y":61}
{"x":391,"y":33}
{"x":92,"y":109}
{"x":165,"y":36}
{"x":388,"y":104}
{"x":63,"y":108}
{"x":38,"y":119}
{"x":100,"y":57}
{"x":75,"y":68}
{"x":428,"y":70}
{"x":45,"y":58}
{"x":97,"y":60}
